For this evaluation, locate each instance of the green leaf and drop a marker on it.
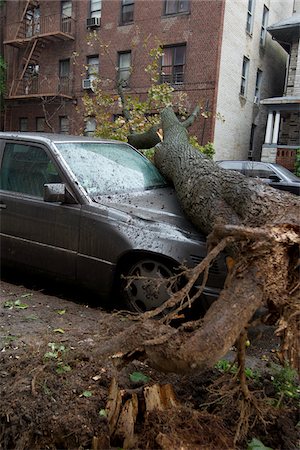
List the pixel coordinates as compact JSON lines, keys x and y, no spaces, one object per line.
{"x":102,"y":413}
{"x":9,"y":304}
{"x":20,"y":305}
{"x":58,"y":330}
{"x":63,"y":368}
{"x":256,"y":444}
{"x":61,"y":312}
{"x":26,"y":295}
{"x":138,"y":377}
{"x":31,"y":317}
{"x":87,"y":394}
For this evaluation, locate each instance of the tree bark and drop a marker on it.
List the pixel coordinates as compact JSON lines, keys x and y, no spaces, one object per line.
{"x":265,"y":225}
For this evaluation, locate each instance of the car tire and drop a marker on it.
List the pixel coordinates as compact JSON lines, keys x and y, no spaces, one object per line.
{"x":144,"y":284}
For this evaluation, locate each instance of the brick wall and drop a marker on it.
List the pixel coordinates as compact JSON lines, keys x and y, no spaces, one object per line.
{"x":200,"y":29}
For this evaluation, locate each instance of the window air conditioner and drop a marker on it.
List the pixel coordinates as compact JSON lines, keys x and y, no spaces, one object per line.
{"x":92,"y":22}
{"x":87,"y":84}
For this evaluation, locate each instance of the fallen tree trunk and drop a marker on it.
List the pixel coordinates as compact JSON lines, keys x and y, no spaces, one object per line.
{"x":264,"y":224}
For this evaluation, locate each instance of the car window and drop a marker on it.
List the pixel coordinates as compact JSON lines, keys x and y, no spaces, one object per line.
{"x":26,"y":168}
{"x":258,"y":170}
{"x":109,"y":168}
{"x":232,"y":165}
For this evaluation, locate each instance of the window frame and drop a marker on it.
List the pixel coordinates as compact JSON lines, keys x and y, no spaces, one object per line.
{"x":61,"y":126}
{"x":258,"y":81}
{"x":125,"y":69}
{"x":250,"y":17}
{"x":21,"y":128}
{"x":264,"y":25}
{"x":244,"y":77}
{"x":90,"y":74}
{"x":90,"y":126}
{"x":64,"y":80}
{"x":124,"y":5}
{"x":40,"y":119}
{"x":174,"y":74}
{"x":69,"y":5}
{"x":27,"y":175}
{"x":93,"y":12}
{"x":177,"y":12}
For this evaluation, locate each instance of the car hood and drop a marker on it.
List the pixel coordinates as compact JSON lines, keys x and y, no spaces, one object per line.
{"x":155,"y":205}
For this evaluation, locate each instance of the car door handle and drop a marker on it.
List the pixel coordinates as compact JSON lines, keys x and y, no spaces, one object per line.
{"x":2,"y":205}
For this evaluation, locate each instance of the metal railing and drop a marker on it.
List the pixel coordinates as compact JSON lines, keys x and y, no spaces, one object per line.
{"x":36,"y":85}
{"x":48,"y":25}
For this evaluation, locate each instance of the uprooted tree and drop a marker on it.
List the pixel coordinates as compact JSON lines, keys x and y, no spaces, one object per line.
{"x":256,"y":224}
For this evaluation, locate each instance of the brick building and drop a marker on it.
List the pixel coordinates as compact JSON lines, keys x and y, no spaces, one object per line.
{"x":215,"y":51}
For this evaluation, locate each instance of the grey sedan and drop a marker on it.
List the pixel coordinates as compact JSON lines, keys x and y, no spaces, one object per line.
{"x":273,"y":174}
{"x":97,"y":213}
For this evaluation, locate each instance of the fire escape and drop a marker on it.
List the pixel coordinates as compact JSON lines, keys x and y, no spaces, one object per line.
{"x":25,"y":41}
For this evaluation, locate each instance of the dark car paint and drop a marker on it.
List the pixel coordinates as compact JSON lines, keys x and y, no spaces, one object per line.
{"x":86,"y":240}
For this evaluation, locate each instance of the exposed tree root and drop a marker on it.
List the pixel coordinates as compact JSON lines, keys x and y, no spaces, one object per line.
{"x":254,"y":280}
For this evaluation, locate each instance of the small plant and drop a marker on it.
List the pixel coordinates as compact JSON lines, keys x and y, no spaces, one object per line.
{"x":58,"y":352}
{"x":138,"y":377}
{"x":17,"y":304}
{"x":208,"y":149}
{"x":226,"y":366}
{"x":256,"y":444}
{"x":284,"y":380}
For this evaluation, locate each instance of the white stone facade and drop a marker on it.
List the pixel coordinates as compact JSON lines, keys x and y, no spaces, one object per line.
{"x":241,"y":113}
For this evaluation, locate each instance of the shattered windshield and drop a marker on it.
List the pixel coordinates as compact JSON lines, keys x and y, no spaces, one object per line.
{"x":109,"y":168}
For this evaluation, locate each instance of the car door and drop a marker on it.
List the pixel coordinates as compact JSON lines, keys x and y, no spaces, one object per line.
{"x":34,"y":233}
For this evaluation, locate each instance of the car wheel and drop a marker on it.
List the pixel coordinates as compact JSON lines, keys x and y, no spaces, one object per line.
{"x":145,"y":285}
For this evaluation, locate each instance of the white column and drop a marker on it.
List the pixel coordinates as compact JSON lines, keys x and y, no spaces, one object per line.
{"x":269,"y":129}
{"x":276,"y":128}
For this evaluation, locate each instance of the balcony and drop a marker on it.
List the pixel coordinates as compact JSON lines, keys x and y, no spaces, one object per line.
{"x":37,"y":87}
{"x":49,"y":28}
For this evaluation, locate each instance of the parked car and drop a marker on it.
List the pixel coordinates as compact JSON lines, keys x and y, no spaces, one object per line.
{"x":92,"y":212}
{"x":273,"y":174}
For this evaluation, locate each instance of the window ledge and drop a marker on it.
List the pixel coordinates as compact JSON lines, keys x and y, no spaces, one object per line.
{"x":168,"y":16}
{"x":123,"y":24}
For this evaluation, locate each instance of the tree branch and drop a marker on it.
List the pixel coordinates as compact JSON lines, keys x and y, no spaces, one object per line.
{"x":191,"y":119}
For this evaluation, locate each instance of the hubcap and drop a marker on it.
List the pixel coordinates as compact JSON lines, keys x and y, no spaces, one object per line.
{"x":150,"y":287}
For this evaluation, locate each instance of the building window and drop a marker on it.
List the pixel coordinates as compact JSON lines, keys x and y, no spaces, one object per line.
{"x":64,"y":75}
{"x":92,"y":67}
{"x":127,"y":8}
{"x":257,"y":86}
{"x":64,"y":125}
{"x":95,"y":9}
{"x":66,"y":15}
{"x":244,"y":81}
{"x":40,"y":124}
{"x":32,"y":21}
{"x":173,"y":64}
{"x":23,"y":124}
{"x":264,"y":24}
{"x":251,"y":143}
{"x":90,"y":126}
{"x":176,"y":6}
{"x":66,"y":8}
{"x":250,"y":16}
{"x":124,"y":66}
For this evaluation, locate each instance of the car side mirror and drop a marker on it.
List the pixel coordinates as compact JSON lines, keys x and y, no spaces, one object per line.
{"x":57,"y":193}
{"x":274,"y":178}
